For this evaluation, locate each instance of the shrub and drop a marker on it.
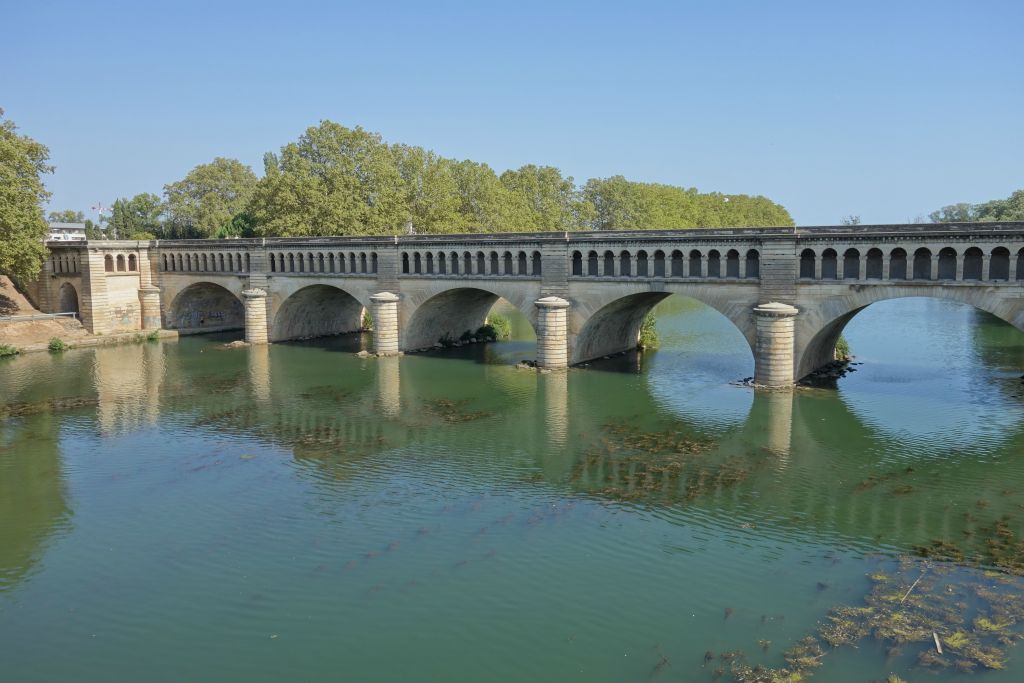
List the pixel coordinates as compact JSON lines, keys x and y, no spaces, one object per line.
{"x":367,"y":320}
{"x":466,"y":336}
{"x":6,"y":350}
{"x":501,"y":325}
{"x":487,"y":332}
{"x":446,"y":340}
{"x":57,"y":345}
{"x":842,"y":349}
{"x":648,"y":332}
{"x":153,"y":336}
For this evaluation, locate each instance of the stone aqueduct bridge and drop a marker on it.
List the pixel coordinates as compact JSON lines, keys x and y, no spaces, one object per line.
{"x":790,"y":291}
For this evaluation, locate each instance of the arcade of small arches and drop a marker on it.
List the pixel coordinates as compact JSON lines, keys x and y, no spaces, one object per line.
{"x":504,"y":263}
{"x":119,"y":263}
{"x":947,"y":263}
{"x":677,"y":263}
{"x":64,"y":264}
{"x":219,"y":262}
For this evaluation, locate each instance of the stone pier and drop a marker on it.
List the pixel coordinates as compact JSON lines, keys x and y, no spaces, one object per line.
{"x":552,"y":333}
{"x":149,"y":301}
{"x":773,"y":352}
{"x":255,"y":316}
{"x":385,"y":323}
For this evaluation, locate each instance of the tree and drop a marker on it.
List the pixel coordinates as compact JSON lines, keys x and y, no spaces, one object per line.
{"x":66,"y":216}
{"x":23,"y":230}
{"x":1009,"y":209}
{"x":332,"y":181}
{"x":206,"y":201}
{"x":549,"y":200}
{"x":138,"y":218}
{"x":430,"y":191}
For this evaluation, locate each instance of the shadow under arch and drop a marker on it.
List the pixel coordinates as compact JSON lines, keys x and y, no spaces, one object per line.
{"x":317,"y":311}
{"x":205,"y":307}
{"x":827,"y":326}
{"x":67,"y":299}
{"x":450,"y":313}
{"x":615,"y":326}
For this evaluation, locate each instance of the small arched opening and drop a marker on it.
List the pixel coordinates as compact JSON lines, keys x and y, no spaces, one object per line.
{"x":577,"y":263}
{"x":696,"y":269}
{"x":898,"y":264}
{"x":108,"y":264}
{"x":641,"y":264}
{"x":592,"y":264}
{"x":851,"y":264}
{"x":659,"y":263}
{"x":874,"y":264}
{"x":947,"y":263}
{"x":677,"y":263}
{"x":829,"y":264}
{"x":807,"y":258}
{"x":923,"y":264}
{"x":714,"y":263}
{"x":133,"y":263}
{"x":999,"y":266}
{"x":67,"y":298}
{"x":609,"y":264}
{"x":753,"y":264}
{"x":625,"y":264}
{"x":732,"y":264}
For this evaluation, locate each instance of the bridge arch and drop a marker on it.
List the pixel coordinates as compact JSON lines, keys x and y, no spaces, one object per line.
{"x":821,"y":323}
{"x":316,"y":310}
{"x":67,"y":299}
{"x":607,"y":321}
{"x":205,"y":307}
{"x":441,"y":311}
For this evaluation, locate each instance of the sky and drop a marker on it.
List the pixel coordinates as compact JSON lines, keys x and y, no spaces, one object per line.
{"x":885,"y":110}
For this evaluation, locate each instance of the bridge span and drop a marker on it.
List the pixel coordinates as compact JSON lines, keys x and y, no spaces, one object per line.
{"x":789,"y":291}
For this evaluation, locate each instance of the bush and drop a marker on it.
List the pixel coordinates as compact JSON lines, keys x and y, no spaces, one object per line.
{"x":487,"y":333}
{"x":843,"y":349}
{"x":648,"y":332}
{"x":367,"y":320}
{"x":466,"y":336}
{"x":57,"y":345}
{"x":7,"y":350}
{"x":153,"y":336}
{"x":501,"y":325}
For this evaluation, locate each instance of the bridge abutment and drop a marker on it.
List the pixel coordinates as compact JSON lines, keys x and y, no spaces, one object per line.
{"x":774,"y":349}
{"x":256,"y":331}
{"x":552,"y":332}
{"x":385,"y":323}
{"x":149,"y":303}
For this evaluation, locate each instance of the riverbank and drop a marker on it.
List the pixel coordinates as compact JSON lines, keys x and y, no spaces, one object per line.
{"x":88,"y":340}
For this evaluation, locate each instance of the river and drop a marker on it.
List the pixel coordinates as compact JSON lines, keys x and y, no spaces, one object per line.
{"x":179,"y":511}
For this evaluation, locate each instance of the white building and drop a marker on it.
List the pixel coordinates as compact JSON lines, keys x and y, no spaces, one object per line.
{"x":66,"y":232}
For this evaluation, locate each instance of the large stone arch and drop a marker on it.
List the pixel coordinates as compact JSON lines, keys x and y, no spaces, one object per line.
{"x":822,"y":321}
{"x":205,"y":307}
{"x":606,"y":318}
{"x":316,"y":310}
{"x":436,"y":310}
{"x":67,"y":299}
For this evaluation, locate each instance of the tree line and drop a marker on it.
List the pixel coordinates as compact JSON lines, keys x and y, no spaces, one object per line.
{"x":336,"y":180}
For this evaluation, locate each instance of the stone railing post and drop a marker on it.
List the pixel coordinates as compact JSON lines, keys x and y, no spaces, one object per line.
{"x":773,"y":357}
{"x":255,"y":316}
{"x":149,"y":303}
{"x":552,"y":332}
{"x":385,"y":323}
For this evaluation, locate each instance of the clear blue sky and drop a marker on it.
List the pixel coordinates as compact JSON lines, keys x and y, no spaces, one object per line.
{"x":883,"y":109}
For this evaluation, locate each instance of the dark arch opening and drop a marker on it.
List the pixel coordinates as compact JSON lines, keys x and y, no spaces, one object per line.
{"x":874,"y":265}
{"x":577,"y":263}
{"x":829,"y":264}
{"x":592,"y":264}
{"x":947,"y":264}
{"x":999,"y":266}
{"x":67,"y":299}
{"x":317,"y":311}
{"x":898,"y":264}
{"x":807,"y":263}
{"x":732,"y":264}
{"x":851,"y":265}
{"x":753,"y":264}
{"x":447,"y":316}
{"x":205,"y":307}
{"x":615,"y":327}
{"x":923,"y":264}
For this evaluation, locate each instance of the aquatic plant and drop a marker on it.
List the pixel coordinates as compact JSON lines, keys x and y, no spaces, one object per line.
{"x":57,"y":345}
{"x":648,"y":332}
{"x":6,"y":350}
{"x":501,"y":324}
{"x":367,"y":323}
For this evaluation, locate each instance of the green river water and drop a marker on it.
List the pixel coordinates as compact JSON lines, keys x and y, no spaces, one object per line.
{"x":180,"y":511}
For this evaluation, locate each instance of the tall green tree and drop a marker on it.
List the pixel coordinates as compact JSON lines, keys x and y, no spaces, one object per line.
{"x":550,"y":201}
{"x":23,"y":230}
{"x":485,"y":204}
{"x":206,"y":202}
{"x":430,"y":190}
{"x":332,"y":181}
{"x":138,"y":218}
{"x":66,"y":216}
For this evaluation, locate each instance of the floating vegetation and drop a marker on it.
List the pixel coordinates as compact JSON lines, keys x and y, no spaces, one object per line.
{"x":961,"y":619}
{"x":454,"y":412}
{"x":53,"y":405}
{"x":627,"y":463}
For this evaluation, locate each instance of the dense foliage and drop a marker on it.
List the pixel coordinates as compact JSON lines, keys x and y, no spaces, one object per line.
{"x":335,"y":180}
{"x":1009,"y":209}
{"x":23,"y":161}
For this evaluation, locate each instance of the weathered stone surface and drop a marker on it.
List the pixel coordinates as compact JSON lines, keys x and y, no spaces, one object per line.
{"x":424,"y":288}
